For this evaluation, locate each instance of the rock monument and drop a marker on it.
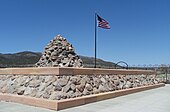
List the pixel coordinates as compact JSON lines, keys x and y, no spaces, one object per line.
{"x":59,"y":53}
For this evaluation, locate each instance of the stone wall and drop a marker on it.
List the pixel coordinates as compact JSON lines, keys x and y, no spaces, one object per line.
{"x":60,"y":87}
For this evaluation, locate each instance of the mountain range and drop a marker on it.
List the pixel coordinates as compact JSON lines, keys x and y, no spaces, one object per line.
{"x":28,"y":59}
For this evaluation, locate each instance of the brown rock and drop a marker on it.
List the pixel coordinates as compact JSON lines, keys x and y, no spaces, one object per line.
{"x":111,"y":86}
{"x":62,"y":82}
{"x":88,"y":87}
{"x":80,"y":88}
{"x":48,"y":78}
{"x":20,"y":91}
{"x":103,"y":80}
{"x":4,"y":89}
{"x":73,"y":80}
{"x":128,"y":84}
{"x":46,"y":95}
{"x":101,"y":88}
{"x":116,"y":82}
{"x":42,"y":87}
{"x":57,"y":87}
{"x":66,"y":88}
{"x":86,"y":92}
{"x":95,"y":90}
{"x":28,"y":91}
{"x":71,"y":94}
{"x":73,"y":86}
{"x":33,"y":92}
{"x":56,"y":96}
{"x":34,"y":83}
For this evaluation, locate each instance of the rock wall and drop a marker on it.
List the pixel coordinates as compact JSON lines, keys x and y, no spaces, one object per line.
{"x":59,"y":53}
{"x":64,"y":87}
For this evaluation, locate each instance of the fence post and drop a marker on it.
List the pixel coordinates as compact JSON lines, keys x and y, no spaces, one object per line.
{"x":166,"y":76}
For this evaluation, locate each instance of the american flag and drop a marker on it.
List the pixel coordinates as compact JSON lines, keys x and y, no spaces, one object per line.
{"x":102,"y":23}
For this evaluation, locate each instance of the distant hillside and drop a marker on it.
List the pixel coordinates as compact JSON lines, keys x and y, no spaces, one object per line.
{"x":28,"y":59}
{"x":21,"y":59}
{"x":89,"y":62}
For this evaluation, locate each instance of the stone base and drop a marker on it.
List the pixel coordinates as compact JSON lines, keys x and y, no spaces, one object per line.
{"x":67,"y":103}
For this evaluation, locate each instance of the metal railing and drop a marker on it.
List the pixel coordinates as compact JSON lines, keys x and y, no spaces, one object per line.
{"x":163,"y":77}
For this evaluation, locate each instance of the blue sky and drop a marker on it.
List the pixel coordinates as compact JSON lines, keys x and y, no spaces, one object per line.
{"x":139,"y":34}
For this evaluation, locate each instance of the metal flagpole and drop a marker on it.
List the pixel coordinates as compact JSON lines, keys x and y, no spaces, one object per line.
{"x":95,"y":40}
{"x":103,"y":24}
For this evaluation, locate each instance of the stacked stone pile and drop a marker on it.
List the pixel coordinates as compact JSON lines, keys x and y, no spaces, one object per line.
{"x":64,"y":87}
{"x":59,"y":53}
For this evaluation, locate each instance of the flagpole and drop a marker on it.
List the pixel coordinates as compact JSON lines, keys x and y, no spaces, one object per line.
{"x":103,"y":24}
{"x":95,"y":41}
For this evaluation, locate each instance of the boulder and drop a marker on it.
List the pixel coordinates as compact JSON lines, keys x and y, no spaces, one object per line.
{"x":63,"y":81}
{"x":66,"y":88}
{"x":20,"y":91}
{"x":88,"y":87}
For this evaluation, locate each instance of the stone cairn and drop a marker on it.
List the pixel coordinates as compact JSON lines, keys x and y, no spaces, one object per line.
{"x":59,"y":53}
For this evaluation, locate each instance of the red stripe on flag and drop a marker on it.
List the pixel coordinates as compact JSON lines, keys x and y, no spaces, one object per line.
{"x":102,"y":23}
